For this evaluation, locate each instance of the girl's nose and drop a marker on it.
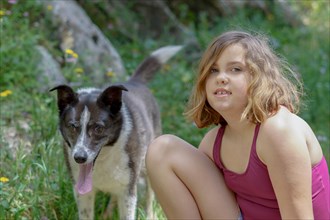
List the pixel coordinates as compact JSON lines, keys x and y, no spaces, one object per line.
{"x":222,"y":78}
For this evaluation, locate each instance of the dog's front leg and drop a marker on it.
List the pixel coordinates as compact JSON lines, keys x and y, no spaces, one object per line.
{"x":86,"y":205}
{"x":127,"y":205}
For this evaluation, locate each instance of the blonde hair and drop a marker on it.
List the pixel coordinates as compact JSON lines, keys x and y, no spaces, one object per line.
{"x":270,"y":87}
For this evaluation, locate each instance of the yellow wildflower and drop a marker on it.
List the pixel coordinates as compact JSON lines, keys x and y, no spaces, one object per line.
{"x":5,"y":93}
{"x":71,"y":56}
{"x":71,"y":52}
{"x":110,"y":73}
{"x":79,"y":70}
{"x":75,"y":55}
{"x":49,"y":7}
{"x":2,"y":12}
{"x":4,"y":179}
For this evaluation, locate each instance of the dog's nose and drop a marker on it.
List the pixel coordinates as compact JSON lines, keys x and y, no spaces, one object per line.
{"x":80,"y":157}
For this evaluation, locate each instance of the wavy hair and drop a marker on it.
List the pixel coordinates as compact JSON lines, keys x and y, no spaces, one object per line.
{"x":273,"y":82}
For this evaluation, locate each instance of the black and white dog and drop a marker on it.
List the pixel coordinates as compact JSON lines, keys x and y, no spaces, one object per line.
{"x":106,"y":134}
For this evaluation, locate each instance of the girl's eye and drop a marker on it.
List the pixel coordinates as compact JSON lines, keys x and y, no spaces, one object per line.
{"x":236,"y":69}
{"x":213,"y":70}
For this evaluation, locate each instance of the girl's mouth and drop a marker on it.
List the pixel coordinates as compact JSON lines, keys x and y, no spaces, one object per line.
{"x":222,"y":92}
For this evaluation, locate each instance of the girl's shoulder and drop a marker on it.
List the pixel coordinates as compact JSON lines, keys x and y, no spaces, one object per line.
{"x":282,"y":133}
{"x":284,"y":123}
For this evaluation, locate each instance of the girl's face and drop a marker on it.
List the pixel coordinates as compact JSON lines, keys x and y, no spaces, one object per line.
{"x":227,"y":83}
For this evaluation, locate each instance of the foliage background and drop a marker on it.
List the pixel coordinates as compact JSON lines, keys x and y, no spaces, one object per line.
{"x":34,"y":182}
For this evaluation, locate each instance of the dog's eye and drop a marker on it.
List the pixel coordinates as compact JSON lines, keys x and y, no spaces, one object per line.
{"x":98,"y":129}
{"x":73,"y":126}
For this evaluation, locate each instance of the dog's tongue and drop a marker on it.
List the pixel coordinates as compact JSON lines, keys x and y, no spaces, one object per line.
{"x":84,"y":184}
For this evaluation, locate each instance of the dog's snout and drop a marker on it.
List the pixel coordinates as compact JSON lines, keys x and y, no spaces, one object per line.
{"x":80,"y":156}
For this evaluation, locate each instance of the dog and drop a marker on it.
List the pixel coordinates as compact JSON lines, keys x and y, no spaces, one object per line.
{"x":106,"y":133}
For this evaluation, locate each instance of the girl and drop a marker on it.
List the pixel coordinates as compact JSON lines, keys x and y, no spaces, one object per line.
{"x":261,"y":161}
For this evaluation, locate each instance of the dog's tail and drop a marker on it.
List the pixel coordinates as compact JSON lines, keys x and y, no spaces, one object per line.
{"x":153,"y":63}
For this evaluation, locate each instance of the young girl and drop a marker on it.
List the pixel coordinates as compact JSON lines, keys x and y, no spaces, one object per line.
{"x":261,"y":161}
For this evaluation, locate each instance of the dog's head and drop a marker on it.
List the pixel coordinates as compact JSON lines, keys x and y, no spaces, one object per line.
{"x":89,"y":120}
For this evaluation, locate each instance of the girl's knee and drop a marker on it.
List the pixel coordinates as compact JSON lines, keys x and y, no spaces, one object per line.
{"x":159,"y":149}
{"x":163,"y":140}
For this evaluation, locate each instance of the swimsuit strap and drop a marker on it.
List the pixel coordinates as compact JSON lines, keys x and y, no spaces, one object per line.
{"x":217,"y":146}
{"x":255,"y":137}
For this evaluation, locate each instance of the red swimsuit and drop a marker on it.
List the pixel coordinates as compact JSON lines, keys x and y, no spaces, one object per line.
{"x":254,"y":192}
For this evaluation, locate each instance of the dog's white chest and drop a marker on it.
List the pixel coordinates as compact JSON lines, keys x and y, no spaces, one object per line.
{"x":111,"y":172}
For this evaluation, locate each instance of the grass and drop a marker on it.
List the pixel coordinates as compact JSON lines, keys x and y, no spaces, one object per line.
{"x":31,"y":155}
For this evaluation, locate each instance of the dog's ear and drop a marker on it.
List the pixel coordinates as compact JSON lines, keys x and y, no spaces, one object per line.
{"x":65,"y":96}
{"x":111,"y":98}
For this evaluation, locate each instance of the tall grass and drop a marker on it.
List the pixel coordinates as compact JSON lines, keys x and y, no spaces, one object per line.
{"x":31,"y":156}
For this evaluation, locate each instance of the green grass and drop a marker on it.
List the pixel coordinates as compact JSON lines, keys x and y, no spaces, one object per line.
{"x":39,"y":185}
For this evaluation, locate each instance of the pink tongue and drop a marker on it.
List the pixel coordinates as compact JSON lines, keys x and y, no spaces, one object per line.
{"x":84,"y":184}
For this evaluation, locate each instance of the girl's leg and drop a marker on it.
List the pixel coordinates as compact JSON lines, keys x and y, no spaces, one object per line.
{"x":187,"y":183}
